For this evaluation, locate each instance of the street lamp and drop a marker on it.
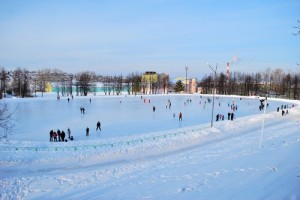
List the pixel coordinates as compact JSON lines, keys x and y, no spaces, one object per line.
{"x":186,"y":69}
{"x":213,"y":104}
{"x":263,"y":124}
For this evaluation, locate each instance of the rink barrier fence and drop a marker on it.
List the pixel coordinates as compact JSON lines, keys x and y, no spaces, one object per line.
{"x":98,"y":146}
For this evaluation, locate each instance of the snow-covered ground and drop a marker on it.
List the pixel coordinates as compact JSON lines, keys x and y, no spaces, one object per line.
{"x":141,"y":154}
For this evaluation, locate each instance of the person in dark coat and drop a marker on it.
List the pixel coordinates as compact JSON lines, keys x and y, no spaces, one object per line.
{"x":98,"y":126}
{"x":232,"y":116}
{"x":69,"y":133}
{"x":87,"y":131}
{"x":229,"y":115}
{"x":63,"y":135}
{"x":59,"y":135}
{"x":51,"y":138}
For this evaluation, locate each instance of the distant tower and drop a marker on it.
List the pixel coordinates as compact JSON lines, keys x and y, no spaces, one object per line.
{"x":227,"y":72}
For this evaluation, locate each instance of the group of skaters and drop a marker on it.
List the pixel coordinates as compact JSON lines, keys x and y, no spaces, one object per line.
{"x":284,"y":109}
{"x":169,"y":104}
{"x":82,"y":110}
{"x":261,"y":106}
{"x":149,"y":101}
{"x":60,"y":136}
{"x":98,"y":127}
{"x":69,"y":98}
{"x":188,"y":101}
{"x":220,"y":117}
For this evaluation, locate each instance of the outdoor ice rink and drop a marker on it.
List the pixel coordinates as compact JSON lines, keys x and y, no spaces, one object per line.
{"x":141,"y":154}
{"x":123,"y":115}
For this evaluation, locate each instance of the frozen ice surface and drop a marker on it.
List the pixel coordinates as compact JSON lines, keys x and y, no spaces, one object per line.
{"x":122,"y":115}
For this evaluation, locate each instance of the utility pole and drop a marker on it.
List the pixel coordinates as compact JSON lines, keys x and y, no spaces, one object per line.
{"x":213,"y":104}
{"x":186,"y":84}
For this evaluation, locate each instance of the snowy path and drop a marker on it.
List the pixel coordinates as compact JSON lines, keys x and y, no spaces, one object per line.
{"x":223,"y":162}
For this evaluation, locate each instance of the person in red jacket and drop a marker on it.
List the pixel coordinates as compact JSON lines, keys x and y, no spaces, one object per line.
{"x":180,"y":116}
{"x":54,"y":135}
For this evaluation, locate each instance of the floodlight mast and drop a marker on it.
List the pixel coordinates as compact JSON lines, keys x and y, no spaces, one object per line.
{"x":214,"y":93}
{"x":263,"y":123}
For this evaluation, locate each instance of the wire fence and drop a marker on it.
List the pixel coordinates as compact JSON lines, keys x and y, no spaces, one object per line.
{"x":64,"y":147}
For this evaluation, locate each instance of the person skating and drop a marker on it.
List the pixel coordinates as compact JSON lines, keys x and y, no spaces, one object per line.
{"x":51,"y":136}
{"x":69,"y":133}
{"x":63,"y":135}
{"x":232,"y":116}
{"x":98,"y":126}
{"x":229,"y":116}
{"x":54,"y":135}
{"x":59,"y":135}
{"x":180,"y":116}
{"x":87,"y":131}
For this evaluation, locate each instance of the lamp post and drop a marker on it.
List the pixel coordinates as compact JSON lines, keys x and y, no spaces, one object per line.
{"x":213,"y":104}
{"x":263,"y":124}
{"x":186,"y":69}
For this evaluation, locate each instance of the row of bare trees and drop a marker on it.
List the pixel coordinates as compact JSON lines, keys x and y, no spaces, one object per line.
{"x":268,"y":83}
{"x":25,"y":83}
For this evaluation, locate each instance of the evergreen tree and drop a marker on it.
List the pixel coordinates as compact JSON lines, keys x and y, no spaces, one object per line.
{"x":179,"y":87}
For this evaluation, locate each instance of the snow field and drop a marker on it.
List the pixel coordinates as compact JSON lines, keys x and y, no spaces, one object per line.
{"x":195,"y":162}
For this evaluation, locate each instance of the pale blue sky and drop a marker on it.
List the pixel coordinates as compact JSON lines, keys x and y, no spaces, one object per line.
{"x":114,"y":37}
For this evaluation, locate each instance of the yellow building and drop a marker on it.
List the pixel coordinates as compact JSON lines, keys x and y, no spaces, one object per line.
{"x":48,"y":87}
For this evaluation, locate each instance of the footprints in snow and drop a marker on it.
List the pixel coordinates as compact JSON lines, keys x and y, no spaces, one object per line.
{"x":272,"y":168}
{"x":195,"y":187}
{"x":213,"y":175}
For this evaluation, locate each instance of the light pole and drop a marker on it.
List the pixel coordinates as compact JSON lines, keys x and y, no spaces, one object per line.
{"x":213,"y":104}
{"x":186,"y":69}
{"x":263,"y":124}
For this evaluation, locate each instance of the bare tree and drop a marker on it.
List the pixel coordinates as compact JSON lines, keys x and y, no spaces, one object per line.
{"x":128,"y":82}
{"x":221,"y":83}
{"x":297,"y":28}
{"x":286,"y":85}
{"x":296,"y":81}
{"x":119,"y":86}
{"x":104,"y":81}
{"x":110,"y":84}
{"x":4,"y":78}
{"x":21,"y":82}
{"x":207,"y":84}
{"x":86,"y":81}
{"x":6,"y":121}
{"x":257,"y":81}
{"x":136,"y":83}
{"x":165,"y":83}
{"x":42,"y":78}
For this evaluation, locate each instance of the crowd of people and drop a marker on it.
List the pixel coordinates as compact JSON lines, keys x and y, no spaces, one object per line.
{"x":60,"y":135}
{"x":284,"y":109}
